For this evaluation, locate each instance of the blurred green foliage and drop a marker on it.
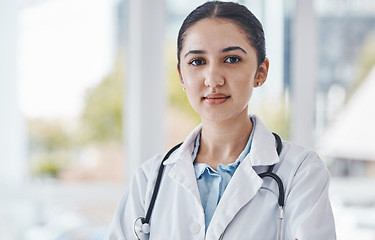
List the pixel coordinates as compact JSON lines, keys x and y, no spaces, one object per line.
{"x":49,"y":163}
{"x":101,"y":119}
{"x":54,"y":143}
{"x":49,"y":134}
{"x":50,"y":141}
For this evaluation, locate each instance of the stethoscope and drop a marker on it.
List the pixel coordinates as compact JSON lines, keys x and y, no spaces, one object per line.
{"x":144,"y":227}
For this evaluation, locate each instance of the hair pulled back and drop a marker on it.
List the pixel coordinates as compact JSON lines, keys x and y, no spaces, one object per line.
{"x":234,"y":12}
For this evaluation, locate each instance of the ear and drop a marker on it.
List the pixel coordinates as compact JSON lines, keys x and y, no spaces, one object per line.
{"x":180,"y":76}
{"x":261,"y":74}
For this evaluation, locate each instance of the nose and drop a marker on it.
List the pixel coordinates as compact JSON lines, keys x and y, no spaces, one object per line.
{"x":214,"y":77}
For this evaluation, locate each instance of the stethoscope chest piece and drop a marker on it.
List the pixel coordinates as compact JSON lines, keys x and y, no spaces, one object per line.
{"x":140,"y":228}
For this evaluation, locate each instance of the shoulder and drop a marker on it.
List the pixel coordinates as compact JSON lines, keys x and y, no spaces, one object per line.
{"x":293,"y":154}
{"x":300,"y":166}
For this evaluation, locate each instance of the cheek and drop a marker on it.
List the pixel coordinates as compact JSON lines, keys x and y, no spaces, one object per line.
{"x":246,"y":92}
{"x":243,"y":79}
{"x":193,"y":92}
{"x":192,"y":79}
{"x":193,"y":86}
{"x":244,"y":86}
{"x":194,"y":100}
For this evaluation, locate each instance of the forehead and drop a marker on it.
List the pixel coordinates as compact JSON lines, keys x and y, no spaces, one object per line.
{"x":214,"y":32}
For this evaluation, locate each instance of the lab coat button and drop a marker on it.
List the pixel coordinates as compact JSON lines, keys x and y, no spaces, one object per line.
{"x":195,"y":228}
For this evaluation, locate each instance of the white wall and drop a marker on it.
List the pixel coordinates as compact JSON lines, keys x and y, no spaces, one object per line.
{"x":13,"y":162}
{"x":145,"y":88}
{"x":304,"y":51}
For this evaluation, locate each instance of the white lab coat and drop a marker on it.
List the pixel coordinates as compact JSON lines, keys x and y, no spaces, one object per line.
{"x":248,"y":208}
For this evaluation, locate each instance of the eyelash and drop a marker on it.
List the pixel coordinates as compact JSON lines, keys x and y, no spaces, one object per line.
{"x":193,"y":61}
{"x":237,"y":59}
{"x":202,"y":61}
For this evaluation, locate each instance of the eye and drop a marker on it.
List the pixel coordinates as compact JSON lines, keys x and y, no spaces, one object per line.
{"x":232,"y":59}
{"x":197,"y":62}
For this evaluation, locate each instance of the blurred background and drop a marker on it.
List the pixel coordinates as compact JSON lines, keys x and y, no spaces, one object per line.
{"x":89,"y":90}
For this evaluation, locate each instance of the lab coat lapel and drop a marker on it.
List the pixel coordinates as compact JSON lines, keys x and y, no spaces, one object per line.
{"x":182,"y":168}
{"x":183,"y":173}
{"x":245,"y":182}
{"x":243,"y":186}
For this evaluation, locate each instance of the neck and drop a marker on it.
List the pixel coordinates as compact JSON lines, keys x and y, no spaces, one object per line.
{"x":223,"y":142}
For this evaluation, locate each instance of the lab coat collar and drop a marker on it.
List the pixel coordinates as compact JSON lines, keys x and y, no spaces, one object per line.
{"x":263,"y":148}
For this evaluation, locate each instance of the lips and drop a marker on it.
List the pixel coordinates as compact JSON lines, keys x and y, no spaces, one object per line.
{"x":216,"y":98}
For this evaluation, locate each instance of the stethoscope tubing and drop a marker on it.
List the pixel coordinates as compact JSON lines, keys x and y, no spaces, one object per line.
{"x":157,"y":185}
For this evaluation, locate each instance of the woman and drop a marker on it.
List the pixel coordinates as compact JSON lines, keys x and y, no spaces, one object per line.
{"x":211,"y":187}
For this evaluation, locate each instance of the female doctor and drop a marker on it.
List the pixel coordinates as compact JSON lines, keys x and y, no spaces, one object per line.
{"x":211,"y":186}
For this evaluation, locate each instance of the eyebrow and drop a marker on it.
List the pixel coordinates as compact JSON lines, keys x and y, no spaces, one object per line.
{"x":228,"y":49}
{"x":195,"y":52}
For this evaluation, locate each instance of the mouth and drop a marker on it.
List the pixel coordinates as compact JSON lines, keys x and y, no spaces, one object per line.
{"x":215,"y":99}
